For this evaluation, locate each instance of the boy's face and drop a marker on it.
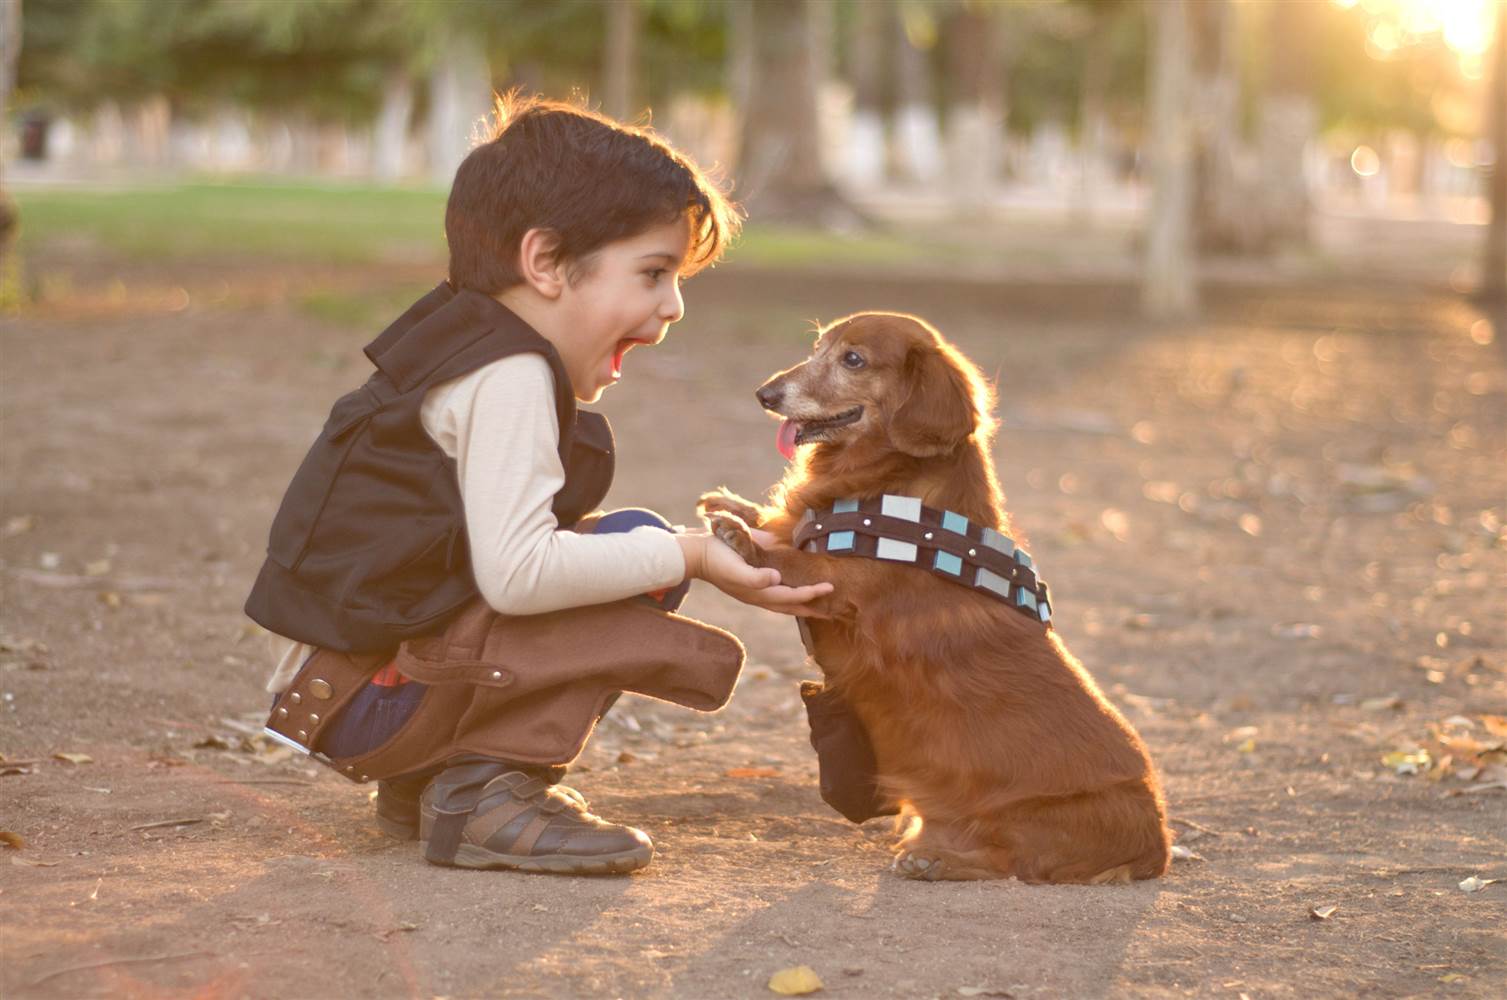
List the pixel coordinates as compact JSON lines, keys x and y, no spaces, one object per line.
{"x":625,"y":294}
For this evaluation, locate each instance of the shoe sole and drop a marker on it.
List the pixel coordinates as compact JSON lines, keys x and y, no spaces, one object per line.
{"x":472,"y":856}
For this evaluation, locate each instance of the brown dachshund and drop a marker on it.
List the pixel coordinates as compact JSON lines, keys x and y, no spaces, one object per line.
{"x":998,"y":744}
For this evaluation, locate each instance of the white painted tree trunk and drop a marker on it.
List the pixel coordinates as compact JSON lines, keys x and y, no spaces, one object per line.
{"x":460,"y":97}
{"x":863,"y":166}
{"x":390,"y":132}
{"x":1169,"y":288}
{"x":918,"y":136}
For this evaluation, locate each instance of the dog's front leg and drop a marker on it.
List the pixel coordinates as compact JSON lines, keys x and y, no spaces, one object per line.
{"x":797,"y":569}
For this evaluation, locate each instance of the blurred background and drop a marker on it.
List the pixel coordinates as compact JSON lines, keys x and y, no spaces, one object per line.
{"x":1138,"y":142}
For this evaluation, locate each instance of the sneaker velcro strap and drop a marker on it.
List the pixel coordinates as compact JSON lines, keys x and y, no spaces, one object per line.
{"x":482,"y":826}
{"x":530,"y":834}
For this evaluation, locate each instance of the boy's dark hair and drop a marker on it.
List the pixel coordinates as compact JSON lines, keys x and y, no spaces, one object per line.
{"x":550,"y":165}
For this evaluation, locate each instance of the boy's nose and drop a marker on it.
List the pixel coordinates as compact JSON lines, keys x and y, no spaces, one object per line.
{"x":673,"y":307}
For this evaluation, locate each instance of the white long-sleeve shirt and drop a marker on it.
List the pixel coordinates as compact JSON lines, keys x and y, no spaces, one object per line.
{"x":499,"y":425}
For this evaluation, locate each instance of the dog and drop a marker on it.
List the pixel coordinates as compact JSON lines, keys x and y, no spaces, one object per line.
{"x":1006,"y":758}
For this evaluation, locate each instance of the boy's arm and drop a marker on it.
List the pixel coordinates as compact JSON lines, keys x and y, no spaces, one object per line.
{"x":499,"y":424}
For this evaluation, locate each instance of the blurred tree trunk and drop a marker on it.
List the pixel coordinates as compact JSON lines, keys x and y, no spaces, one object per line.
{"x":1288,"y":121}
{"x":918,"y":144}
{"x":1226,"y":209}
{"x":460,"y":94}
{"x":779,"y":163}
{"x":974,"y":116}
{"x":865,"y":166}
{"x":1093,"y":126}
{"x":1494,"y":259}
{"x":10,"y":57}
{"x":1169,"y":288}
{"x":621,"y":58}
{"x":390,"y":133}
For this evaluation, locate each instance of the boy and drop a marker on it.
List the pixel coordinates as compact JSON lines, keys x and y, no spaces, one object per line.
{"x":457,"y":621}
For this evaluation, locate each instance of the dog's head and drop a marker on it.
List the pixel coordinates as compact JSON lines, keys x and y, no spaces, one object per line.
{"x":880,"y":378}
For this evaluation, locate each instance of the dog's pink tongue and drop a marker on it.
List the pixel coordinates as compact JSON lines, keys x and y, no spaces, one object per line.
{"x":785,"y":439}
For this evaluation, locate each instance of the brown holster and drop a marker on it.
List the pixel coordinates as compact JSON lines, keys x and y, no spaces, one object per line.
{"x":522,"y":688}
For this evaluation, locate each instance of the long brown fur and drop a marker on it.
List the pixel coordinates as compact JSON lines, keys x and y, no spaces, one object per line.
{"x":983,"y":724}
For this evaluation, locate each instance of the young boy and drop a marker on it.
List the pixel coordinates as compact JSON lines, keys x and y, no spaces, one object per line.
{"x":456,"y":620}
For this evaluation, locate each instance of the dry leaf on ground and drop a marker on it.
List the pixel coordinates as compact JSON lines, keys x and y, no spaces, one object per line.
{"x":1322,"y":912}
{"x":1474,"y":884}
{"x":73,"y":758}
{"x":752,"y":772}
{"x":795,"y":981}
{"x":11,"y":840}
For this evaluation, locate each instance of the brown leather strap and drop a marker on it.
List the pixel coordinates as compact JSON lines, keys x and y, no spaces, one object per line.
{"x":902,"y":530}
{"x":530,"y":835}
{"x":479,"y":829}
{"x":324,"y":685}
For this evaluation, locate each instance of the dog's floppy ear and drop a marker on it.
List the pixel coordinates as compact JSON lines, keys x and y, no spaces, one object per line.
{"x":938,"y":412}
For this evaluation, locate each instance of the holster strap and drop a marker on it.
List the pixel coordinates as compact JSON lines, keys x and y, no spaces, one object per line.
{"x":324,"y":685}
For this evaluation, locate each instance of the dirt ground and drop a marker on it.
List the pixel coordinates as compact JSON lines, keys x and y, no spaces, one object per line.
{"x":1275,"y":537}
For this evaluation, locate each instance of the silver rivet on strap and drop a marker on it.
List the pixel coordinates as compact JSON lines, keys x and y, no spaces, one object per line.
{"x":973,"y":552}
{"x":321,"y":689}
{"x":818,"y":527}
{"x":867,"y":522}
{"x":295,"y":698}
{"x":497,"y":675}
{"x":927,"y":536}
{"x":313,"y":718}
{"x":303,"y":734}
{"x":363,"y":777}
{"x":282,"y":713}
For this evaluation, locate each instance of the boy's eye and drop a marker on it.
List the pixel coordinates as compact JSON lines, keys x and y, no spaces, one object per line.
{"x":852,"y":359}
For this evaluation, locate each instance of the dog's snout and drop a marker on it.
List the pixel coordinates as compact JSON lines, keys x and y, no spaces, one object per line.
{"x":770,"y":394}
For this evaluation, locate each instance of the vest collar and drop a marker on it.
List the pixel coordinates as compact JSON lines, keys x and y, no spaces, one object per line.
{"x":901,"y":529}
{"x":405,"y":351}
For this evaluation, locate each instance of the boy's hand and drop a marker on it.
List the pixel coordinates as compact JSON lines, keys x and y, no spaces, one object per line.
{"x":710,"y":559}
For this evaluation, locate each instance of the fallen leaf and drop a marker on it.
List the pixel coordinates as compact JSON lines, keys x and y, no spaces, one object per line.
{"x":98,"y":567}
{"x":73,"y":758}
{"x":212,"y":743}
{"x":1452,"y":977}
{"x":627,"y":757}
{"x":1322,"y":912}
{"x":1495,"y":724}
{"x":795,"y":981}
{"x":752,"y":772}
{"x":109,"y":598}
{"x":1382,"y":704}
{"x":34,"y":863}
{"x":19,"y":525}
{"x":1407,"y":762}
{"x":1474,"y":884}
{"x":1181,"y":853}
{"x":11,"y":840}
{"x":982,"y":991}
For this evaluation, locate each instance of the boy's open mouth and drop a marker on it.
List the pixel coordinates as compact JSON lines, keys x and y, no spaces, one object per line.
{"x":794,"y":433}
{"x":623,"y":347}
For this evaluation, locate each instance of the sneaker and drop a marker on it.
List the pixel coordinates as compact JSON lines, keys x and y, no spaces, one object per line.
{"x":520,"y":821}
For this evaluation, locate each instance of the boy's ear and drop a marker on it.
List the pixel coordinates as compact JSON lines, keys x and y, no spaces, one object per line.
{"x":539,"y":262}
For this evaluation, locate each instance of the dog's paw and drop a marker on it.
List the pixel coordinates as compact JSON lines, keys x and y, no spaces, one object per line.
{"x":723,"y":501}
{"x":918,"y":866}
{"x":734,"y":533}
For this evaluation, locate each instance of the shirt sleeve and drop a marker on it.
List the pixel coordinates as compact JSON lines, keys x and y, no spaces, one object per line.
{"x":499,"y":425}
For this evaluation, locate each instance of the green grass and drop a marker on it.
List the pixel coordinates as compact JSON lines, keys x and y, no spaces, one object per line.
{"x":342,"y":225}
{"x":299,"y":224}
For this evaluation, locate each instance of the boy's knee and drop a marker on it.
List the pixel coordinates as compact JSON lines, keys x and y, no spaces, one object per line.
{"x":627,"y":519}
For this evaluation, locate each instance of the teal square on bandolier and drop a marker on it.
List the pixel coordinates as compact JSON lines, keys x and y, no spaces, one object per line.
{"x":1025,"y":598}
{"x":1044,"y":610}
{"x":845,"y":507}
{"x":948,"y":563}
{"x":839,"y":540}
{"x":954,"y":522}
{"x":1023,"y":557}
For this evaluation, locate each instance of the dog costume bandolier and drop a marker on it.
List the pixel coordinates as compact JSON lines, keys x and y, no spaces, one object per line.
{"x":368,"y":561}
{"x":900,"y":529}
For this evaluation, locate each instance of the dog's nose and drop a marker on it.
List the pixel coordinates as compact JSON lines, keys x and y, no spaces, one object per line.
{"x":770,"y":395}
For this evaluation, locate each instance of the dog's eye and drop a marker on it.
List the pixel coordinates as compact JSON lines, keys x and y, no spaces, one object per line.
{"x":852,"y":359}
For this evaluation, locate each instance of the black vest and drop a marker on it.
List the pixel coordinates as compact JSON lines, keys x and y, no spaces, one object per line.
{"x":369,"y":546}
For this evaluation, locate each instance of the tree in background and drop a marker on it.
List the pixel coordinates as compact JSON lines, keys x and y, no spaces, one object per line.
{"x":974,"y":98}
{"x":781,"y":177}
{"x":1169,"y":283}
{"x":1494,"y":257}
{"x":10,"y":55}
